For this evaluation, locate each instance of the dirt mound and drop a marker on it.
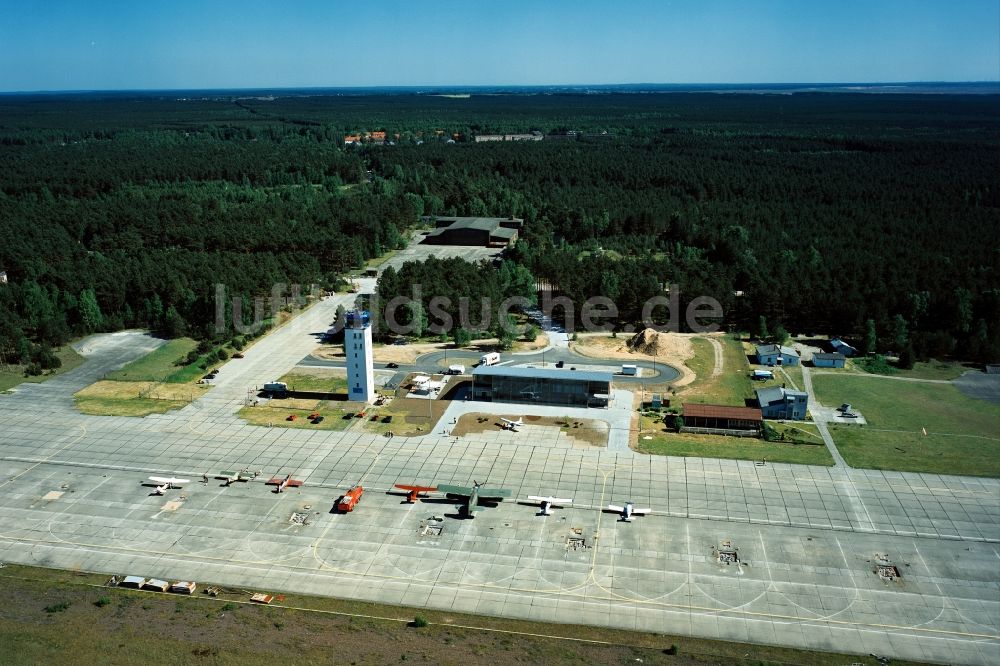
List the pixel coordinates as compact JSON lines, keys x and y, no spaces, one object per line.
{"x":652,"y":343}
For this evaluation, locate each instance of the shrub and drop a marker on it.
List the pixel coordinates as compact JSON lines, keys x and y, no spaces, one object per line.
{"x":57,"y":608}
{"x":222,"y":354}
{"x":420,"y":621}
{"x":102,"y":602}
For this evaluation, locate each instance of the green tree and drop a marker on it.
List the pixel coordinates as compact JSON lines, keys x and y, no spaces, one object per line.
{"x":781,"y":335}
{"x":871,"y":337}
{"x":762,"y":332}
{"x":462,"y":337}
{"x":174,"y":325}
{"x":899,"y":332}
{"x":530,"y":332}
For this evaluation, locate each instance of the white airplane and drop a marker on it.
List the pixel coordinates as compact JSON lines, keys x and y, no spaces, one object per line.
{"x":167,"y":482}
{"x":508,"y":424}
{"x":548,"y":502}
{"x":628,"y":511}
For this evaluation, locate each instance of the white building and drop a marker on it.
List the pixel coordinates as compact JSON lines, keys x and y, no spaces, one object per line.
{"x":358,"y":351}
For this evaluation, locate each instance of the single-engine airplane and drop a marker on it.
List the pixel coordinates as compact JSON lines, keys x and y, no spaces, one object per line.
{"x":414,"y":492}
{"x":230,"y":477}
{"x":473,"y":495}
{"x":548,"y":502}
{"x":511,"y":425}
{"x":627,"y":511}
{"x":167,"y":483}
{"x":282,"y":483}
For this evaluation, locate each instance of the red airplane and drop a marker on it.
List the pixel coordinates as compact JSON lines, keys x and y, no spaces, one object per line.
{"x":413,"y":492}
{"x":350,"y":499}
{"x":282,"y":483}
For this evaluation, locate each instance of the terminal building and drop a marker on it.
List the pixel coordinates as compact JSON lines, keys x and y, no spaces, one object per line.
{"x":358,"y":352}
{"x":541,"y":386}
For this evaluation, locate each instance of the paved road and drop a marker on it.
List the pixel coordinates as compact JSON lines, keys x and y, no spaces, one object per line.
{"x":70,"y":497}
{"x":438,"y":361}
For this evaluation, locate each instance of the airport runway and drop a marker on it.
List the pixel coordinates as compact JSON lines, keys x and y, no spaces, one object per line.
{"x":71,"y":496}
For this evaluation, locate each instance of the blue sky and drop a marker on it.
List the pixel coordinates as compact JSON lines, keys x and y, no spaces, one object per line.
{"x":62,"y":45}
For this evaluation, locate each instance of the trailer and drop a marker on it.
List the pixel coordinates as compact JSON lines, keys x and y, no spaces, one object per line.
{"x":183,"y":587}
{"x":489,"y":359}
{"x":276,"y":388}
{"x":456,"y":370}
{"x":156,"y":584}
{"x":630,"y":369}
{"x":135,"y":582}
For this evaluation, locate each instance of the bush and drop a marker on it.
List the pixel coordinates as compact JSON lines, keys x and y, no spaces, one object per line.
{"x":204,"y":346}
{"x":33,"y":370}
{"x":237,"y":343}
{"x":57,"y":608}
{"x":420,"y":621}
{"x":222,"y":354}
{"x":102,"y":602}
{"x":192,"y":356}
{"x":531,"y":333}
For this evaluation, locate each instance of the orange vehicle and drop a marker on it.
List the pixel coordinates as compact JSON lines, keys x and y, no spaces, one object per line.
{"x":350,"y":499}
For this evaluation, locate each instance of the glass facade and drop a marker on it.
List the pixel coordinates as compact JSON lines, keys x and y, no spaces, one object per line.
{"x":542,"y":389}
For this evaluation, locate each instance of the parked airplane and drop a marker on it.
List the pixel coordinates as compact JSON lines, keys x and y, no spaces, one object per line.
{"x":169,"y":481}
{"x":166,"y":483}
{"x":548,"y":502}
{"x":413,"y":492}
{"x":512,"y":425}
{"x":230,"y":477}
{"x":282,"y":483}
{"x":627,"y":511}
{"x":473,"y":495}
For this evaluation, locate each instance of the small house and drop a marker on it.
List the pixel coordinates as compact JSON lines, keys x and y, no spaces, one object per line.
{"x":841,"y":347}
{"x":722,"y":419}
{"x":780,"y":403}
{"x":834,"y":360}
{"x":772,"y":355}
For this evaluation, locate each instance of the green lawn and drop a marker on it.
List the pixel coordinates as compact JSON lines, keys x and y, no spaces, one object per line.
{"x":732,"y":387}
{"x":160,"y":365}
{"x":665,"y":443}
{"x":315,"y":381}
{"x":11,"y":378}
{"x":333,"y":416}
{"x":962,"y":433}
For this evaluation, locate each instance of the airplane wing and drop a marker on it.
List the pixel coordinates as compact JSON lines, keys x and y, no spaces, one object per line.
{"x":641,"y":511}
{"x":457,"y":490}
{"x":169,"y":480}
{"x":550,"y":499}
{"x":615,"y":507}
{"x":293,"y":483}
{"x":226,"y":475}
{"x":416,"y":489}
{"x":275,"y":481}
{"x":490,"y":493}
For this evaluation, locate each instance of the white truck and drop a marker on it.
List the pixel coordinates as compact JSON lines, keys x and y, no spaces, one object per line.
{"x":456,"y":370}
{"x":276,"y":388}
{"x":489,"y":359}
{"x":629,"y":369}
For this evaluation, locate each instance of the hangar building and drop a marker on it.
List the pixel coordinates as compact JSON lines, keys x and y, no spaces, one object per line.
{"x":541,"y":386}
{"x":485,"y":231}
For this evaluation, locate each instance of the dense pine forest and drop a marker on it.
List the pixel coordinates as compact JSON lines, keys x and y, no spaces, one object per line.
{"x":820,"y":213}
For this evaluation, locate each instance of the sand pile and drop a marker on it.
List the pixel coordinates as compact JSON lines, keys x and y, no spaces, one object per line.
{"x":653,"y":343}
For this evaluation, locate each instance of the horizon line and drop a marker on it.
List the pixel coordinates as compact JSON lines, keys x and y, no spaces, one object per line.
{"x":493,"y":86}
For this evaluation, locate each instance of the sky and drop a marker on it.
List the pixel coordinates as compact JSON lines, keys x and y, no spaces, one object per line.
{"x":190,"y":44}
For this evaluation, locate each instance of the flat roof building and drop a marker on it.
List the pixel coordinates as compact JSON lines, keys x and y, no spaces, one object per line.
{"x":541,"y":386}
{"x":485,"y":231}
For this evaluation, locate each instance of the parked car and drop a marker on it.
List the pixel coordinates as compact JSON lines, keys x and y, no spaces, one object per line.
{"x":237,"y":355}
{"x":317,"y":420}
{"x":392,"y":365}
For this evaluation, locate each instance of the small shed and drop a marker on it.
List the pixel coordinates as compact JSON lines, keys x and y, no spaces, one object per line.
{"x":133,"y":582}
{"x":834,"y":360}
{"x":841,"y":347}
{"x":156,"y":584}
{"x":183,"y":587}
{"x":761,"y":375}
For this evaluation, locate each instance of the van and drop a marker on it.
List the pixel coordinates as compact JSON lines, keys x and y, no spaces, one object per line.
{"x":489,"y":359}
{"x":276,"y":388}
{"x":456,"y":370}
{"x":629,"y":369}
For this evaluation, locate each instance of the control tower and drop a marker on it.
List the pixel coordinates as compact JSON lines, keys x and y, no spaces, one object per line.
{"x":358,"y":351}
